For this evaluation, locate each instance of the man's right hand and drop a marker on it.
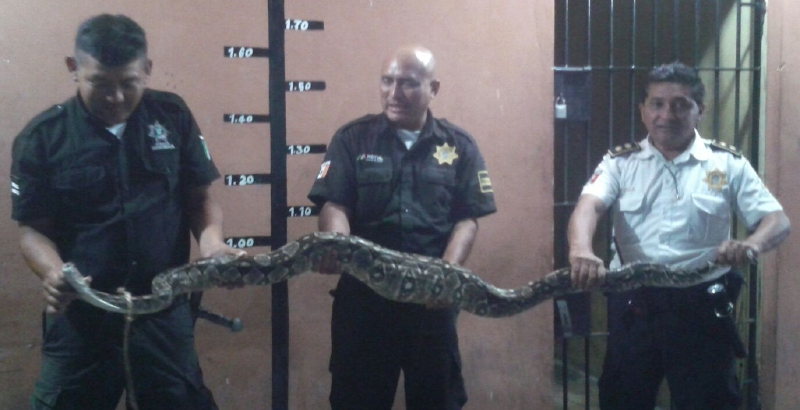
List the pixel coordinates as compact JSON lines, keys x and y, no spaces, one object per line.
{"x":328,"y":263}
{"x":58,"y":294}
{"x":588,"y":271}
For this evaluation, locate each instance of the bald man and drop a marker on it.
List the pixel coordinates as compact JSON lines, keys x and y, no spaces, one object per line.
{"x":413,"y":183}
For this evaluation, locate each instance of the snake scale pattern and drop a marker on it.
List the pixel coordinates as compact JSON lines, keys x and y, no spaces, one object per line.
{"x":394,"y":275}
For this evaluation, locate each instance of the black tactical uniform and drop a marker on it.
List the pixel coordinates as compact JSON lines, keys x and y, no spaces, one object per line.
{"x":408,"y":200}
{"x":120,"y":213}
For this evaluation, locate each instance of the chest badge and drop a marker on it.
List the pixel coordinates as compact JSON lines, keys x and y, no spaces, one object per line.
{"x":716,"y":180}
{"x":445,"y":154}
{"x":159,"y":135}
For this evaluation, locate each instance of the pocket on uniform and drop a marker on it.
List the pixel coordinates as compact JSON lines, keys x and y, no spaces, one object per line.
{"x":76,"y":179}
{"x":374,"y":188}
{"x":82,"y":188}
{"x":374,"y":175}
{"x":710,"y":219}
{"x":438,"y":176}
{"x":163,"y":165}
{"x":631,"y":213}
{"x":631,"y":203}
{"x":45,"y":395}
{"x":437,"y":188}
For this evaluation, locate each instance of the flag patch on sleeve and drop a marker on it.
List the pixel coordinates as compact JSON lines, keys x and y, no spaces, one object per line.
{"x":323,"y":169}
{"x":485,"y":182}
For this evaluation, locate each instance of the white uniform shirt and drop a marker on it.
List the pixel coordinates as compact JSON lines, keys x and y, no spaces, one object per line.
{"x":678,"y":212}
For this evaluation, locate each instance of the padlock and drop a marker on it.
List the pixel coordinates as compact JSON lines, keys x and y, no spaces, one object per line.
{"x":561,"y":108}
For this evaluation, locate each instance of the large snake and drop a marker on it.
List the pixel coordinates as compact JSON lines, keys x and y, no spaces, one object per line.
{"x":394,"y":275}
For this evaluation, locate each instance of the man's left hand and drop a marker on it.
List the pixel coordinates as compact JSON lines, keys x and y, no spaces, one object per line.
{"x":219,"y":249}
{"x":736,"y":253}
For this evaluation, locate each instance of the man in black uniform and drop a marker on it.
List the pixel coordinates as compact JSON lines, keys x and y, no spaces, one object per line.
{"x":114,"y":180}
{"x":413,"y":183}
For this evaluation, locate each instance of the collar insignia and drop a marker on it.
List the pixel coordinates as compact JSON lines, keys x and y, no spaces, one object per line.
{"x":159,"y":135}
{"x":445,"y":154}
{"x":716,"y":180}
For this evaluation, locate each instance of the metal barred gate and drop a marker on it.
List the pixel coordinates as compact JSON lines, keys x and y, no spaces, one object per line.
{"x":603,"y":51}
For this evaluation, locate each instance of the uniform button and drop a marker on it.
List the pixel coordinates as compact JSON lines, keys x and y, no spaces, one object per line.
{"x":134,"y":263}
{"x":405,"y":210}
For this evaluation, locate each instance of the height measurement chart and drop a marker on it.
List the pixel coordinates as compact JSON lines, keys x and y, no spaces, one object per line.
{"x":300,"y":86}
{"x":245,"y":118}
{"x":276,"y":177}
{"x":247,"y":179}
{"x":302,"y":211}
{"x":245,"y":52}
{"x":242,"y":242}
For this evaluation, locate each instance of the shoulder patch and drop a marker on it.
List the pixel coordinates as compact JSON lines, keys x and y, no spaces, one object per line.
{"x":624,"y":149}
{"x":722,"y":146}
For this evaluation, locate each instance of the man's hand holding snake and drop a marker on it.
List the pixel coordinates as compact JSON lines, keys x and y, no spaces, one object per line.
{"x":587,"y":271}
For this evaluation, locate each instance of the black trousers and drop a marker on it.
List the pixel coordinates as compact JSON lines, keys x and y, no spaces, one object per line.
{"x":373,"y":339}
{"x":673,"y":333}
{"x":83,"y":369}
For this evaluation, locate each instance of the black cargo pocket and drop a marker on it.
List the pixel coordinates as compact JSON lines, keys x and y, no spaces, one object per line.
{"x":81,"y":187}
{"x":437,"y":187}
{"x":162,"y":166}
{"x":374,"y":188}
{"x":45,"y":395}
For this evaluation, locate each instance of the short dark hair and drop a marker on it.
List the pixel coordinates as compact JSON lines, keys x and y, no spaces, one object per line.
{"x":113,"y":41}
{"x":677,"y":72}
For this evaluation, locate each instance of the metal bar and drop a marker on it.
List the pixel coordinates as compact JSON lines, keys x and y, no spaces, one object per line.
{"x":277,"y":112}
{"x":632,"y":77}
{"x":587,"y":388}
{"x":675,"y":29}
{"x":566,"y":33}
{"x":753,"y":396}
{"x":737,"y":75}
{"x":564,"y":375}
{"x":565,"y":173}
{"x":654,"y":27}
{"x":717,"y":51}
{"x":696,"y":33}
{"x":647,"y":69}
{"x":589,"y":33}
{"x":611,"y":78}
{"x":587,"y":127}
{"x":591,"y":334}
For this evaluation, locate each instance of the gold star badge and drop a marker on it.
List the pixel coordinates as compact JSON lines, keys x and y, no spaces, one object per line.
{"x":716,"y":180}
{"x":445,"y":154}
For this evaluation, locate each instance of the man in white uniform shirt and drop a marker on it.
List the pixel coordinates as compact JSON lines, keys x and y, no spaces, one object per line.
{"x":673,"y":196}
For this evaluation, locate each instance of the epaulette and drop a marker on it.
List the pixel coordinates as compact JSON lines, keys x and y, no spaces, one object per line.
{"x":358,"y":121}
{"x":49,"y":114}
{"x":43,"y":117}
{"x":455,"y":130}
{"x":171,"y":98}
{"x":624,"y":149}
{"x":722,"y":146}
{"x":449,"y":125}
